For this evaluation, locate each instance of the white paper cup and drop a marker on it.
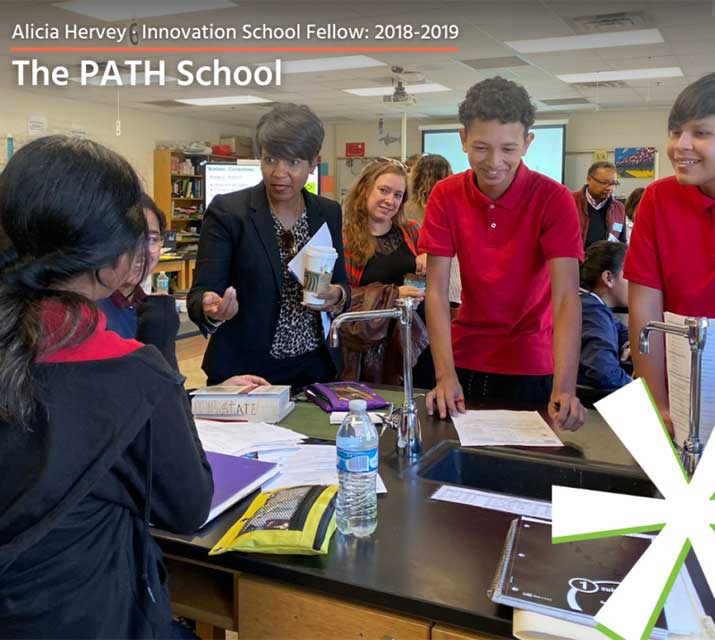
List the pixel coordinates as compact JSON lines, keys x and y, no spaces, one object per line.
{"x":319,"y":263}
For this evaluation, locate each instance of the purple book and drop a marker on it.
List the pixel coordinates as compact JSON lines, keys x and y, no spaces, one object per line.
{"x":235,"y":478}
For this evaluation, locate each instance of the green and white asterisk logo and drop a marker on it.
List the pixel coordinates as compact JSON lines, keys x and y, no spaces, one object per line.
{"x":683,"y":517}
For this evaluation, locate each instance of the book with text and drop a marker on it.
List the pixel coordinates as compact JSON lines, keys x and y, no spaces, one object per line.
{"x":250,"y":403}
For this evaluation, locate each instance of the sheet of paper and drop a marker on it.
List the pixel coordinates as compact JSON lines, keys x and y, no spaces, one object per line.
{"x":494,"y":501}
{"x":322,"y":238}
{"x":238,"y":438}
{"x":494,"y":428}
{"x":678,"y":364}
{"x":337,"y":417}
{"x":311,"y":464}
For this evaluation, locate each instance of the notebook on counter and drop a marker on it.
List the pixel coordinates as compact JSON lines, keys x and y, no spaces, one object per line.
{"x":569,"y":581}
{"x":235,"y":478}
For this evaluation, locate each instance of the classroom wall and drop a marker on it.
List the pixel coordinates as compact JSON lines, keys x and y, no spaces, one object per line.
{"x":586,"y":132}
{"x":141,"y":130}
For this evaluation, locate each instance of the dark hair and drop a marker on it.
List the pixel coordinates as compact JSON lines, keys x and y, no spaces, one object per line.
{"x":426,"y":173}
{"x":497,"y":99}
{"x":696,"y":101}
{"x":600,"y":164}
{"x":633,"y":202}
{"x":69,"y":208}
{"x":289,"y":131}
{"x":602,"y":256}
{"x":145,"y":202}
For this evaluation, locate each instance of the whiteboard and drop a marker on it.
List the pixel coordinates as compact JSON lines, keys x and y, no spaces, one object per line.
{"x":545,"y":153}
{"x":228,"y":177}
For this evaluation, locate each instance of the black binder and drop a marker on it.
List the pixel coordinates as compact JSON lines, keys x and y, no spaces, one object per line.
{"x":569,"y":580}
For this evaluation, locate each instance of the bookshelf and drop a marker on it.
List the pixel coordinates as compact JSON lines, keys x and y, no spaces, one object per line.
{"x":179,"y":185}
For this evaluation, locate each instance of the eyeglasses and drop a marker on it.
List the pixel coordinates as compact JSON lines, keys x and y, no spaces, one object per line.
{"x":606,"y":183}
{"x":155,"y":240}
{"x":288,"y":243}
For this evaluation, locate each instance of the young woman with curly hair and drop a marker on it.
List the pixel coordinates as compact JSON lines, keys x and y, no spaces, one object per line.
{"x":426,"y":173}
{"x":380,"y":249}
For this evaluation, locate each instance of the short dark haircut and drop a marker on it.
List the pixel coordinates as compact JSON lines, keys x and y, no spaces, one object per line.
{"x":601,"y":164}
{"x":289,"y":131}
{"x":147,"y":203}
{"x":497,"y":99}
{"x":696,"y":101}
{"x":602,"y":256}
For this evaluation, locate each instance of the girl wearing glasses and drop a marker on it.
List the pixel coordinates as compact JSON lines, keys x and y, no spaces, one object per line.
{"x":243,"y":293}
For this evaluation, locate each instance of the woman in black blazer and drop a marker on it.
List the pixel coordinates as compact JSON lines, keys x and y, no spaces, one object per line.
{"x":243,"y":294}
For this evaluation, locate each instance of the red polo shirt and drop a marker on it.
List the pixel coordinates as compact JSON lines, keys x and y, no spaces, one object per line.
{"x":504,"y":323}
{"x":672,"y":247}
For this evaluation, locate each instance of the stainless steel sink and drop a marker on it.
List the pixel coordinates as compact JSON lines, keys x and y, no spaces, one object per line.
{"x":528,"y":474}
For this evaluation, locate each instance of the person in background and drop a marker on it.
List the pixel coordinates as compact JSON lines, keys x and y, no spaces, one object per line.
{"x":243,"y":294}
{"x":604,"y":338}
{"x":97,"y":435}
{"x":517,"y":334}
{"x":631,"y":207}
{"x":410,"y":163}
{"x":151,"y":319}
{"x":602,"y":216}
{"x":669,"y":264}
{"x":380,"y":250}
{"x":427,"y":172}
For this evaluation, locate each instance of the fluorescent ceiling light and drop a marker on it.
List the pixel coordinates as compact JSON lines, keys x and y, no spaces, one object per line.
{"x":590,"y":41}
{"x":624,"y":74}
{"x":222,"y":100}
{"x":429,"y":87}
{"x":327,"y":64}
{"x":126,"y":80}
{"x":111,"y":10}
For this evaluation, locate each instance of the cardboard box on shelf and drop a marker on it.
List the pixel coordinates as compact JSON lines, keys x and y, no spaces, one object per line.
{"x":242,"y":146}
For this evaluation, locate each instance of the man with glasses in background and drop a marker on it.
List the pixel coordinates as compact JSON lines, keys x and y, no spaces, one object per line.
{"x":602,"y":216}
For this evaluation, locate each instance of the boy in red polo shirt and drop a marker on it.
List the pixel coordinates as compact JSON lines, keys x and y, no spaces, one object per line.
{"x":670,"y":264}
{"x":516,"y":233}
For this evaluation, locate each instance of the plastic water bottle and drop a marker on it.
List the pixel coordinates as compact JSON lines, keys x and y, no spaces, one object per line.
{"x":357,"y":447}
{"x":162,"y":283}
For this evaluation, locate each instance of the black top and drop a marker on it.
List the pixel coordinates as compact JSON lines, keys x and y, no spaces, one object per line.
{"x":118,"y":449}
{"x":391,"y":262}
{"x":238,"y":248}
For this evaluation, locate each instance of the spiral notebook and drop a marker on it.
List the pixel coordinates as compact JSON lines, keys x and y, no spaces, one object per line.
{"x":570,"y":580}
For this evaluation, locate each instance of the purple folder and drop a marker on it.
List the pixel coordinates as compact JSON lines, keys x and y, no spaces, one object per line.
{"x":235,"y":478}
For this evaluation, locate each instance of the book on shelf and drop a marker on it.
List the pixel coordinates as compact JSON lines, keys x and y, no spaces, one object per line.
{"x":269,"y":403}
{"x":568,"y":581}
{"x":235,"y":478}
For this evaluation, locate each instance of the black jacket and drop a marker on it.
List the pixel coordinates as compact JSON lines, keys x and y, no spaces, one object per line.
{"x":238,"y":248}
{"x":76,"y":557}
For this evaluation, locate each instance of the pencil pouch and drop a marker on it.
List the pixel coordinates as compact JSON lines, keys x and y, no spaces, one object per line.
{"x":294,"y":520}
{"x":336,"y":396}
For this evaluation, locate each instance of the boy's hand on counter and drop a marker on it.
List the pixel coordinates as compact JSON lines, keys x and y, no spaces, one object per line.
{"x":566,"y":411}
{"x":448,"y":396}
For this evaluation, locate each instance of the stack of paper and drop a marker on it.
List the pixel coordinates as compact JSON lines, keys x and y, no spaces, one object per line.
{"x":311,"y":464}
{"x":495,"y":428}
{"x":240,"y":438}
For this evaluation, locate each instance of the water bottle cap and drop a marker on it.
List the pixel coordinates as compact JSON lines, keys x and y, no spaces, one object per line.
{"x":357,"y":405}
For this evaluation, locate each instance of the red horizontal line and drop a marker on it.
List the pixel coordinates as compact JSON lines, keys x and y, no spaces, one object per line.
{"x":229,"y":49}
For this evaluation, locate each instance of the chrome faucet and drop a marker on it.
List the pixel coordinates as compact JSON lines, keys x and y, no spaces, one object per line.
{"x":695,"y":330}
{"x":405,"y":420}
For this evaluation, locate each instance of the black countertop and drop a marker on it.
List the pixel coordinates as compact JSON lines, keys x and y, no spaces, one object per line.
{"x":428,"y":558}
